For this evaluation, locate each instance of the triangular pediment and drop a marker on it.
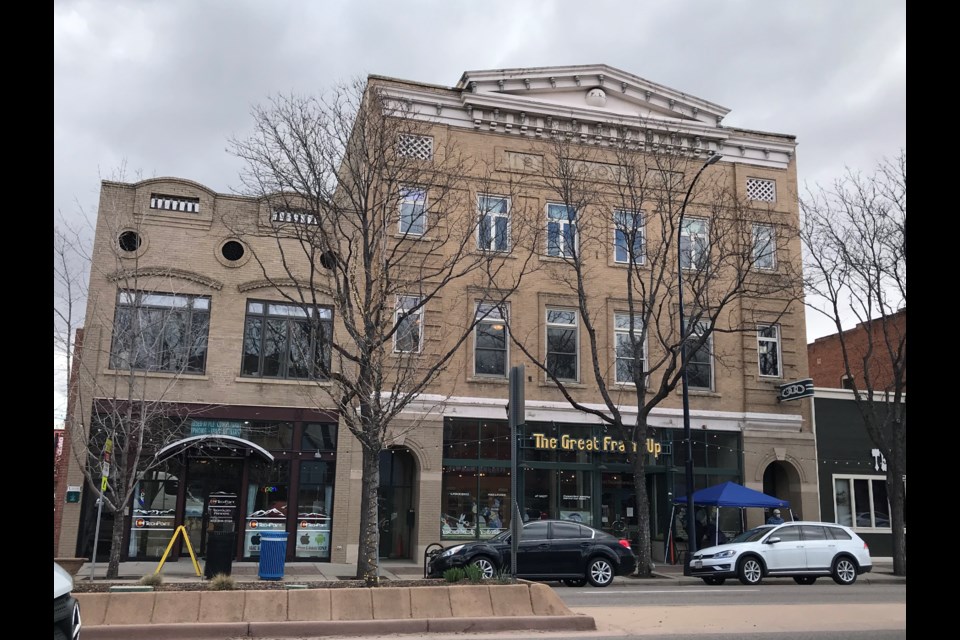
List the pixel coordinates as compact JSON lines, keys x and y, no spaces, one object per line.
{"x":596,"y":92}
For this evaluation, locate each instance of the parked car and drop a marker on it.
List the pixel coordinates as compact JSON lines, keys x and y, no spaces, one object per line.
{"x":549,"y":550}
{"x":66,"y":609}
{"x":803,"y":551}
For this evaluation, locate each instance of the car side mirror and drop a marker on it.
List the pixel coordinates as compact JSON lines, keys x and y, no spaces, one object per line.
{"x":771,"y":540}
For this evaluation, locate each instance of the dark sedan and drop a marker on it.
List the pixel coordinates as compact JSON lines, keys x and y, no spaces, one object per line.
{"x":548,"y":550}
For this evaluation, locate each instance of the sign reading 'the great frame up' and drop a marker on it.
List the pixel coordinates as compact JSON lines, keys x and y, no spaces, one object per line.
{"x":795,"y":390}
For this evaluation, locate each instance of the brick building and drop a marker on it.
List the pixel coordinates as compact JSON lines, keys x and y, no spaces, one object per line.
{"x":257,"y":436}
{"x":826,"y":356}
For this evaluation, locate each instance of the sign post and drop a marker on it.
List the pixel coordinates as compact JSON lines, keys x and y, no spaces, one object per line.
{"x":104,"y":474}
{"x":515,"y":416}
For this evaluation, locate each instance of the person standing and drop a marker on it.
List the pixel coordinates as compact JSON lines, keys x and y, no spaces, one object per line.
{"x":775,"y":518}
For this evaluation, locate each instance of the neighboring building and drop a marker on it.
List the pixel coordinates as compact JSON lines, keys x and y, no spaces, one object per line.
{"x":826,"y":357}
{"x":284,"y":459}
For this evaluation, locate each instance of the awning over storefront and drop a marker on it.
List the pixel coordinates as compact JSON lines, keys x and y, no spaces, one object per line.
{"x":232,"y":442}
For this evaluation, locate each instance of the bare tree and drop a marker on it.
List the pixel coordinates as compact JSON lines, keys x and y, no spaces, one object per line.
{"x":733,"y":277}
{"x":147,"y":333}
{"x":854,"y":232}
{"x":370,"y":214}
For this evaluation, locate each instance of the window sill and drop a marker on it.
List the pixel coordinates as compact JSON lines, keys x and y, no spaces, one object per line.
{"x":567,"y":384}
{"x":280,"y":381}
{"x":414,"y":237}
{"x":488,"y":380}
{"x":157,"y":374}
{"x":703,"y":393}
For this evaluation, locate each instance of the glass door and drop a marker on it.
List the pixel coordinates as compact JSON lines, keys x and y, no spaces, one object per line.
{"x":617,"y":505}
{"x":206,"y":476}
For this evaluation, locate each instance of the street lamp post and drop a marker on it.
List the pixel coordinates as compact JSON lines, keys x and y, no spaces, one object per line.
{"x":688,"y":467}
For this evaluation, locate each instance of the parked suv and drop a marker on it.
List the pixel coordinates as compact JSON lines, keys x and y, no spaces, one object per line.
{"x":66,"y":609}
{"x":803,"y":551}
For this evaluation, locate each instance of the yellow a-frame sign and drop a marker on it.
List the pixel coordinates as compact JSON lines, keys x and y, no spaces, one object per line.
{"x":186,"y":539}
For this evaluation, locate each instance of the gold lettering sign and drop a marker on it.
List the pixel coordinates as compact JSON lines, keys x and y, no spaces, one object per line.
{"x":568,"y":443}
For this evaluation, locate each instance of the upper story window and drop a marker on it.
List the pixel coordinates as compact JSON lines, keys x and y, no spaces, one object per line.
{"x":768,"y":349}
{"x":298,"y":217}
{"x":562,"y":344}
{"x":628,"y":236}
{"x":160,"y":332}
{"x":409,"y":322}
{"x":760,"y":189}
{"x":764,"y":247}
{"x":286,"y":341}
{"x":493,"y":232}
{"x":413,"y":218}
{"x":694,"y":243}
{"x":626,"y":354}
{"x":561,"y":230}
{"x":414,"y":146}
{"x":699,"y":361}
{"x":174,"y":203}
{"x":490,"y":341}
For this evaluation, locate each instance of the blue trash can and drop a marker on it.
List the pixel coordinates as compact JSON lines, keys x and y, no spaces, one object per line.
{"x":273,"y":552}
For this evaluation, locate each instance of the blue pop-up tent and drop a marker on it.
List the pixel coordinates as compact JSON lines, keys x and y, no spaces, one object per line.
{"x":727,"y":494}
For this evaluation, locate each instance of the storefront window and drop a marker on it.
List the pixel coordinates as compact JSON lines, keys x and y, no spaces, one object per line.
{"x":319,"y":437}
{"x":458,"y":516}
{"x":539,"y":499}
{"x":315,"y":509}
{"x":576,"y":496}
{"x":272,"y":436}
{"x":461,"y":440}
{"x":154,"y":514}
{"x":267,"y":495}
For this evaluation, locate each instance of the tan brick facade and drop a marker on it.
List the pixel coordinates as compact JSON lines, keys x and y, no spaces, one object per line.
{"x":181,"y":252}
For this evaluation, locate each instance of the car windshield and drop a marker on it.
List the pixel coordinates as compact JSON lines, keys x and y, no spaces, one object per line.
{"x":753,"y":535}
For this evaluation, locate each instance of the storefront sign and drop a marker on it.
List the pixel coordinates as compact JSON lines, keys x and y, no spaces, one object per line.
{"x":568,"y":443}
{"x":795,"y":390}
{"x":222,"y":508}
{"x":216,"y":428}
{"x":255,"y":526}
{"x":73,"y":492}
{"x":313,"y":537}
{"x":153,"y":522}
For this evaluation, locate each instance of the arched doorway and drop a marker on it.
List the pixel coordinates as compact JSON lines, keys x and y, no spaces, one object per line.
{"x":396,"y":513}
{"x":776,"y":483}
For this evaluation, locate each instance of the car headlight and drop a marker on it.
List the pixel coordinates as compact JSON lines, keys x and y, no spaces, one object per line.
{"x":725,"y":554}
{"x":451,"y":551}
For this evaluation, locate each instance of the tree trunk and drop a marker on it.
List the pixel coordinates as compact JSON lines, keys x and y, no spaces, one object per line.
{"x":116,"y":544}
{"x":368,"y":555}
{"x":644,"y":559}
{"x":897,"y":492}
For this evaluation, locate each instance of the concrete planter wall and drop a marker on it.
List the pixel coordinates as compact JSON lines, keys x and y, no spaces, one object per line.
{"x":105,"y":615}
{"x":72,"y":565}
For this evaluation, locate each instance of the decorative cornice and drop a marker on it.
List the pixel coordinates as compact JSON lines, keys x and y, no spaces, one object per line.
{"x":253,"y":285}
{"x":166,"y":272}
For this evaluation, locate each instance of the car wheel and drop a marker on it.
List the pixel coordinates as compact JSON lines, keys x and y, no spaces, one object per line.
{"x":487,"y":570}
{"x":804,"y":579}
{"x":600,"y":572}
{"x":711,"y":580}
{"x":844,"y":571}
{"x":750,"y":571}
{"x":574,"y":582}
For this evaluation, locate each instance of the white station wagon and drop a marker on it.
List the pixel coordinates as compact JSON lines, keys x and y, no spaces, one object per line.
{"x":803,"y":551}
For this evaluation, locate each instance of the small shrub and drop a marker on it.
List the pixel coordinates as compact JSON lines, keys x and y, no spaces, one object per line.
{"x":222,"y":582}
{"x":473,"y":573}
{"x":152,"y":580}
{"x":503,"y":576}
{"x":456,"y":574}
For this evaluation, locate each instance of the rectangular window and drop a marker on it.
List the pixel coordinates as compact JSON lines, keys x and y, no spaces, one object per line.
{"x":297,"y":217}
{"x":561,"y":230}
{"x":174,"y":203}
{"x":760,"y":189}
{"x":699,"y":361}
{"x":315,"y":509}
{"x":286,"y":341}
{"x":861,"y":501}
{"x":493,"y":233}
{"x":409,"y":321}
{"x":764,"y":247}
{"x":413,"y":217}
{"x":160,"y":332}
{"x":490,"y":341}
{"x":628,"y":348}
{"x":562,"y":344}
{"x":694,"y":243}
{"x":768,"y":349}
{"x":628,"y":236}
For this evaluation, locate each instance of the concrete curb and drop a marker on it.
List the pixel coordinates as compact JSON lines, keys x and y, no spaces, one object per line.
{"x":297,"y":629}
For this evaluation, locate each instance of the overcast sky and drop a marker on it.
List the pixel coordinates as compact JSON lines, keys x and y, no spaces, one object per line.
{"x":157,"y":87}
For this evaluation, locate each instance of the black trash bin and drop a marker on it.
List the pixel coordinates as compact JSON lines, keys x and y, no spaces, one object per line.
{"x":220,"y":549}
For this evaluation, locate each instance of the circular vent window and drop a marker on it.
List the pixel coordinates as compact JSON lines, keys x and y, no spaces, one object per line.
{"x":129,"y":241}
{"x":232,"y":250}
